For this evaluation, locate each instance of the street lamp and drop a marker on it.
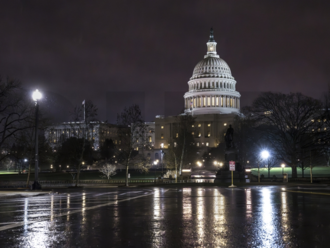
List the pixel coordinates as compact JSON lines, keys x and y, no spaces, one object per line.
{"x":36,"y":96}
{"x":264,"y":155}
{"x":282,"y":165}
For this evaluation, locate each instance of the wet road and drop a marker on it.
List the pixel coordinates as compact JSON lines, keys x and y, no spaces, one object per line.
{"x":266,"y":216}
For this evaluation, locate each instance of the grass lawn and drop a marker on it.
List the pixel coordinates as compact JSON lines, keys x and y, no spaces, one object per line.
{"x":4,"y":172}
{"x":317,"y":171}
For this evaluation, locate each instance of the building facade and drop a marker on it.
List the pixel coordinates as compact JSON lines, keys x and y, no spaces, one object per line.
{"x":95,"y":131}
{"x":211,"y":98}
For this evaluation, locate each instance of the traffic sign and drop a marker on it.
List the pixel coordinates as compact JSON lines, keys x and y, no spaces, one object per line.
{"x":232,"y":165}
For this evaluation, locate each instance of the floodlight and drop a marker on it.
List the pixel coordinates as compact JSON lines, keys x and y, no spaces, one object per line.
{"x":264,"y":154}
{"x":36,"y":95}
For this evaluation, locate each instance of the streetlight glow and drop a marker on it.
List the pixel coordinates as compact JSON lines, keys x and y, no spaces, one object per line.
{"x":36,"y":95}
{"x":264,"y":154}
{"x":282,"y":165}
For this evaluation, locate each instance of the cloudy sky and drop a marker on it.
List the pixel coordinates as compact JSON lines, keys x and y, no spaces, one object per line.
{"x":116,"y":53}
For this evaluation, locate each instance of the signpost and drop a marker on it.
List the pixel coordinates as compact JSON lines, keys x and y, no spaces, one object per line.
{"x":232,"y":168}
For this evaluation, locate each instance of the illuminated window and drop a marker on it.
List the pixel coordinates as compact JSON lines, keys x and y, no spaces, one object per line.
{"x":199,"y":135}
{"x":177,"y":135}
{"x":162,"y":145}
{"x":137,"y":140}
{"x":162,"y":127}
{"x":162,"y":136}
{"x":150,"y":139}
{"x":193,"y":133}
{"x":209,"y":134}
{"x":192,"y":125}
{"x":225,"y":124}
{"x":174,"y":144}
{"x":312,"y":120}
{"x":137,"y":148}
{"x":197,"y":144}
{"x":199,"y":125}
{"x":207,"y":143}
{"x":209,"y":125}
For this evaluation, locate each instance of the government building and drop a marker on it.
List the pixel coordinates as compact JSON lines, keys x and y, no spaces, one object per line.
{"x":211,"y":98}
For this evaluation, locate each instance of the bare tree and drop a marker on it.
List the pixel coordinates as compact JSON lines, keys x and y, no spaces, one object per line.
{"x":133,"y":144}
{"x":16,"y":112}
{"x":289,"y":118}
{"x":84,"y":119}
{"x":108,"y":170}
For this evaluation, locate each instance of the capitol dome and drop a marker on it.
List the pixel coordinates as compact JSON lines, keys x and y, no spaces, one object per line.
{"x":211,"y":67}
{"x":212,"y":88}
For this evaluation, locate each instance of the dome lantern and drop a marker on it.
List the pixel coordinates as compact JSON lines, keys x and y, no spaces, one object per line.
{"x":211,"y":46}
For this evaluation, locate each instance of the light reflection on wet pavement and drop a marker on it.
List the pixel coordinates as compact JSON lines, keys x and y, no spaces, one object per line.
{"x":168,"y":217}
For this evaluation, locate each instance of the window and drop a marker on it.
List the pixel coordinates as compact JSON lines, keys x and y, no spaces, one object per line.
{"x":197,"y":144}
{"x":162,"y":127}
{"x":192,"y":125}
{"x":209,"y":134}
{"x":177,"y":135}
{"x":209,"y":125}
{"x":199,"y":135}
{"x":137,"y":140}
{"x":162,"y":136}
{"x":174,"y":144}
{"x":162,"y":145}
{"x":193,"y":133}
{"x":225,"y":124}
{"x":207,"y":143}
{"x":199,"y":125}
{"x":150,"y":139}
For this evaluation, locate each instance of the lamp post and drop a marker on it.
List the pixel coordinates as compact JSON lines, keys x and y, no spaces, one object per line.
{"x":36,"y":96}
{"x":282,"y":165}
{"x":264,"y":155}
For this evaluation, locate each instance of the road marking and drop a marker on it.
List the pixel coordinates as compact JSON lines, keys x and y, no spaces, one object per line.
{"x":22,"y":223}
{"x":304,"y":192}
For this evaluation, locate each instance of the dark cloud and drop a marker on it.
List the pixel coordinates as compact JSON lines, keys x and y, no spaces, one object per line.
{"x":92,"y":49}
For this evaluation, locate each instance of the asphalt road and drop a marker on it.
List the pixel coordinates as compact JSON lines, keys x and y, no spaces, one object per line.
{"x":267,"y":216}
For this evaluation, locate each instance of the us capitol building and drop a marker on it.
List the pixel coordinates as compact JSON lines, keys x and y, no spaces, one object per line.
{"x":211,"y":98}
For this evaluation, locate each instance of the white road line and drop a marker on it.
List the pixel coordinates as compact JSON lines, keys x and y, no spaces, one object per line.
{"x":22,"y":223}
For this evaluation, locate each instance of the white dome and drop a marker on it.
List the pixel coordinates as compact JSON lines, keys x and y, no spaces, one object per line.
{"x":212,"y":88}
{"x":211,"y":67}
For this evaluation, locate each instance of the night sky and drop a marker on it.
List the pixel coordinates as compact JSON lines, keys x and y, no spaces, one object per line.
{"x":116,"y":53}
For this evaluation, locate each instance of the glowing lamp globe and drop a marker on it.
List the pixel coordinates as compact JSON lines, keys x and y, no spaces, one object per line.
{"x":264,"y":154}
{"x":36,"y":95}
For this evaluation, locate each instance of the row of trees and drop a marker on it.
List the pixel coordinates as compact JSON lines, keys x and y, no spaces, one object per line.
{"x":293,"y":127}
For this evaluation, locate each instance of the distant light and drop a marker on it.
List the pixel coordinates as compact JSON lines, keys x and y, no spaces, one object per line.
{"x":247,"y":170}
{"x":264,"y":154}
{"x":36,"y":95}
{"x":283,"y":188}
{"x":282,"y":165}
{"x":25,"y":160}
{"x":215,"y":162}
{"x":186,"y":170}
